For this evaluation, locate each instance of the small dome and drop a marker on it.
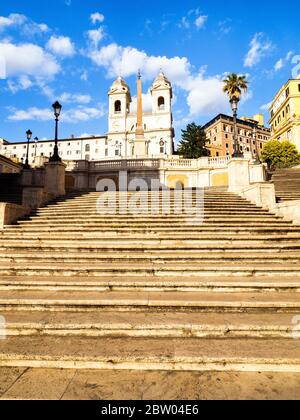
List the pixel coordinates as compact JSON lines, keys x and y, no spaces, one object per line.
{"x":161,"y":82}
{"x":119,"y":86}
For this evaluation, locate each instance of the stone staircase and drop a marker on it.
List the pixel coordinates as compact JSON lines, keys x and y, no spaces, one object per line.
{"x":10,"y":190}
{"x":84,"y":290}
{"x":287,"y":184}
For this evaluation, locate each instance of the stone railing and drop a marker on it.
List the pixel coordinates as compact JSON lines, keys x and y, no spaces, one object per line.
{"x":147,"y":164}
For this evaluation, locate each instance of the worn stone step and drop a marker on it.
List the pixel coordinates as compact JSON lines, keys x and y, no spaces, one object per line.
{"x":150,"y":269}
{"x":101,"y":236}
{"x":194,"y":354}
{"x":151,"y":325}
{"x":45,"y":257}
{"x":160,"y":284}
{"x":278,"y":243}
{"x":198,"y":231}
{"x":153,"y":301}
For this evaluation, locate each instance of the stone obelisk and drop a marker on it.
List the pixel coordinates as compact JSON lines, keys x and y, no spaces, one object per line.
{"x":140,"y":144}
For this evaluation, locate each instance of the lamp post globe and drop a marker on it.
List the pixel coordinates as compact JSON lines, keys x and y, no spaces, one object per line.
{"x":57,"y":111}
{"x":29,"y":136}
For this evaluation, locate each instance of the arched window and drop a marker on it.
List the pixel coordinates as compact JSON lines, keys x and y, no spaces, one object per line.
{"x":162,"y":147}
{"x":161,"y":103}
{"x":118,"y":107}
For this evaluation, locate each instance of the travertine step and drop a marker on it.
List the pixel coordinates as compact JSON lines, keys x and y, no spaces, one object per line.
{"x":272,"y":355}
{"x":152,"y":301}
{"x":144,"y":258}
{"x":150,"y":324}
{"x":150,"y":269}
{"x":159,"y":284}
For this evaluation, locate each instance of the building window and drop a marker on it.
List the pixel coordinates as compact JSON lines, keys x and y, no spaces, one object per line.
{"x":87,"y":157}
{"x":161,"y":103}
{"x":161,"y":147}
{"x":117,"y":152}
{"x":87,"y":148}
{"x":118,"y":107}
{"x":106,"y":152}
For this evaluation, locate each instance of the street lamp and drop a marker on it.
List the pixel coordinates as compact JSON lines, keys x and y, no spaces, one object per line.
{"x":257,"y":161}
{"x":57,"y":110}
{"x":234,"y":101}
{"x":28,"y":135}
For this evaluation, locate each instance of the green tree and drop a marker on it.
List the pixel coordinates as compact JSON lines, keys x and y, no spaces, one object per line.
{"x":235,"y":85}
{"x":280,"y":154}
{"x":193,"y":142}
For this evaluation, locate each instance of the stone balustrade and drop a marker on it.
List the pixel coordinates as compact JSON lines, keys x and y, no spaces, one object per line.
{"x":148,"y":163}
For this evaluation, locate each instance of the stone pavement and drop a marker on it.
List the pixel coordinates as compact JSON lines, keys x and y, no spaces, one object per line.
{"x":55,"y":384}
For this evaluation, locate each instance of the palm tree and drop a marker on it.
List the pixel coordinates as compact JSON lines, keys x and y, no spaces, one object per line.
{"x":235,"y":85}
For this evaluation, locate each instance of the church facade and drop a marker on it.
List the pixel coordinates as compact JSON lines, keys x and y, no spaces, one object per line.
{"x":127,"y":128}
{"x":130,"y":134}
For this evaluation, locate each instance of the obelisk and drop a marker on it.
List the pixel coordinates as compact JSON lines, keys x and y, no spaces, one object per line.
{"x":140,"y":144}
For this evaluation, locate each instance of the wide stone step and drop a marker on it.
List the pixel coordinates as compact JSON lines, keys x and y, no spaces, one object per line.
{"x":194,"y":354}
{"x":276,"y":243}
{"x":187,"y":237}
{"x":150,"y":269}
{"x":127,"y":301}
{"x":45,"y":257}
{"x":94,"y":231}
{"x":157,"y":284}
{"x":149,"y":325}
{"x":157,"y":248}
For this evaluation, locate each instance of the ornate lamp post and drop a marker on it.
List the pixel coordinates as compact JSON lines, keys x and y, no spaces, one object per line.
{"x":257,"y":161}
{"x":57,"y":110}
{"x":29,"y":135}
{"x":234,"y":101}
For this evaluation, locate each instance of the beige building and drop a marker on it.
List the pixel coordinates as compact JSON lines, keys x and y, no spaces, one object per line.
{"x":285,"y":113}
{"x":252,"y":135}
{"x":8,"y":166}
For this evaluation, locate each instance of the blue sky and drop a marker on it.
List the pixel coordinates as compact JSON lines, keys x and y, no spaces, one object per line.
{"x":72,"y":50}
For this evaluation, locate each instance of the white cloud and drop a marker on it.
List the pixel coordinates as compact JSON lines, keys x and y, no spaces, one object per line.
{"x":61,"y":45}
{"x":75,"y":97}
{"x":28,"y":59}
{"x":25,"y":25}
{"x":23,"y":83}
{"x":147,"y":103}
{"x":259,"y":48}
{"x":204,"y":94}
{"x":73,"y":115}
{"x":283,"y":61}
{"x":266,"y":107}
{"x":200,"y":21}
{"x":84,"y":76}
{"x":97,"y":18}
{"x":279,"y":65}
{"x":95,"y":36}
{"x":31,"y":114}
{"x":14,"y":19}
{"x":184,"y":23}
{"x":127,"y":60}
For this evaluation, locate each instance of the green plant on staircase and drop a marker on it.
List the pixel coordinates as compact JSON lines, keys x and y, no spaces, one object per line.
{"x":280,"y":154}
